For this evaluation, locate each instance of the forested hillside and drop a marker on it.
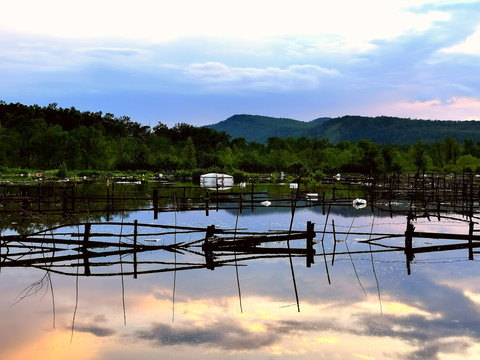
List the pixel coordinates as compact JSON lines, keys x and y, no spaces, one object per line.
{"x":381,"y":129}
{"x":384,"y":129}
{"x":259,"y":128}
{"x":49,"y":138}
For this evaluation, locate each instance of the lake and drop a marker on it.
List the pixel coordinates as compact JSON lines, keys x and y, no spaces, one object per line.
{"x":358,"y":300}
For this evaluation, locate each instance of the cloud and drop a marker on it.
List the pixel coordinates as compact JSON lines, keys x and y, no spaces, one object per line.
{"x":215,"y":75}
{"x":156,"y":21}
{"x":95,"y":330}
{"x":224,"y":335}
{"x":421,"y":333}
{"x":428,"y":338}
{"x":470,"y":45}
{"x":103,"y":52}
{"x":301,"y":60}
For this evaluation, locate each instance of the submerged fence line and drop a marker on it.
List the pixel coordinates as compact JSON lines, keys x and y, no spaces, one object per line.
{"x":101,"y":250}
{"x":459,"y":193}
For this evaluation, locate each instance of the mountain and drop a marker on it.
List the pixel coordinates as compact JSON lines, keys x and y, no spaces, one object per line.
{"x":381,"y":129}
{"x":260,"y":128}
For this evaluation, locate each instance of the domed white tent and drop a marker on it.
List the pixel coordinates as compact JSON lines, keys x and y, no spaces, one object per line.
{"x":216,"y":180}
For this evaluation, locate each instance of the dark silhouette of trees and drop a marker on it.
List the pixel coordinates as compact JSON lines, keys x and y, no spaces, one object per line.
{"x":55,"y":138}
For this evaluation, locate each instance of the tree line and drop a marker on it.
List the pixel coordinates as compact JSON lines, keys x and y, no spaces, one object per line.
{"x":35,"y":137}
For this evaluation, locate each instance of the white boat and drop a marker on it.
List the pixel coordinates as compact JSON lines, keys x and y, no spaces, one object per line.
{"x":359,"y":203}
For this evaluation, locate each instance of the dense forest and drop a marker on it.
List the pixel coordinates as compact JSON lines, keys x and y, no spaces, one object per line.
{"x":34,"y":137}
{"x":379,"y":129}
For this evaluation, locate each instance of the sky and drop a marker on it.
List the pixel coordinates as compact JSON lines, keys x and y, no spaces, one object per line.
{"x":200,"y":62}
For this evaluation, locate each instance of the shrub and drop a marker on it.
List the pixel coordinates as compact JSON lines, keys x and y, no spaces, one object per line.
{"x":318,"y":176}
{"x":62,"y":171}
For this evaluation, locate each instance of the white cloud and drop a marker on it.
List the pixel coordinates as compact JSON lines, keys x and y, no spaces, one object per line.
{"x":150,"y":20}
{"x":352,"y":54}
{"x":215,"y":75}
{"x":471,"y":45}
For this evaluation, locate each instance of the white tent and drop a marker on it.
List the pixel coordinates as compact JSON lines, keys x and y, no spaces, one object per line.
{"x":216,"y":180}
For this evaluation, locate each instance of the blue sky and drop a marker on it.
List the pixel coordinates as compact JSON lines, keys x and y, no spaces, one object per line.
{"x":200,"y":62}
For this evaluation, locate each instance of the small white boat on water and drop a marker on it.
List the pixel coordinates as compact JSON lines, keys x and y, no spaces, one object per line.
{"x":359,"y":203}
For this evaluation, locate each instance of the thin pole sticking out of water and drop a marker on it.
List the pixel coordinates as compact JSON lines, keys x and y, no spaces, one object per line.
{"x":334,"y":241}
{"x":236,"y":265}
{"x":121,"y":262}
{"x":53,"y":298}
{"x":294,"y":204}
{"x":76,"y":294}
{"x":323,"y":246}
{"x":121,"y":272}
{"x":373,"y":266}
{"x":350,"y":256}
{"x":174,"y":254}
{"x":51,"y":283}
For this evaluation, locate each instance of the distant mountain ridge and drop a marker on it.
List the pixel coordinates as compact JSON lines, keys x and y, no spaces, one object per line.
{"x":259,"y":128}
{"x":380,"y":129}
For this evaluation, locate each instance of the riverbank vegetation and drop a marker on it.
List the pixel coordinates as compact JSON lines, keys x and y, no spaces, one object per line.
{"x":64,"y":141}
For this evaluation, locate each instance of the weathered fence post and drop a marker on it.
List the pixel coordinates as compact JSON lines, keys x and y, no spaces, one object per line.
{"x":113,"y":195}
{"x":334,"y":242}
{"x":408,"y":242}
{"x":155,"y":203}
{"x":207,"y":249}
{"x":251,"y":198}
{"x":470,"y":240}
{"x":323,"y":203}
{"x":135,"y":265}
{"x":207,"y":203}
{"x":65,"y":202}
{"x":86,"y":261}
{"x":310,"y":249}
{"x":108,"y":204}
{"x":73,"y":197}
{"x":39,"y":197}
{"x":240,"y":208}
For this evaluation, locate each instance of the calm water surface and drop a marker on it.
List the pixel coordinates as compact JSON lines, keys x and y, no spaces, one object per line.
{"x":371,"y":310}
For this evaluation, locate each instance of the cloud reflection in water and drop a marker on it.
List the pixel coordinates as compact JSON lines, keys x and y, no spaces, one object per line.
{"x":430,"y":314}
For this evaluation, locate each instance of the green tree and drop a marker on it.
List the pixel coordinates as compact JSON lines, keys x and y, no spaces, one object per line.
{"x":452,"y":150}
{"x":50,"y":147}
{"x":161,"y":130}
{"x":188,"y":155}
{"x":468,"y":163}
{"x":419,"y":157}
{"x":368,"y":162}
{"x":27,"y":128}
{"x":469,"y":147}
{"x":92,"y":146}
{"x":438,"y":154}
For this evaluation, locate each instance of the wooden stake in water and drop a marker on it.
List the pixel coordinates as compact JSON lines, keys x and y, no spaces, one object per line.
{"x":323,"y":247}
